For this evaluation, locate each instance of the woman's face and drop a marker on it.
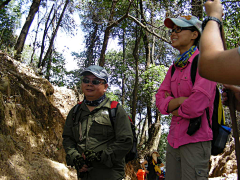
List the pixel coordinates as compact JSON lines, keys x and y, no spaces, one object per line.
{"x":183,"y":40}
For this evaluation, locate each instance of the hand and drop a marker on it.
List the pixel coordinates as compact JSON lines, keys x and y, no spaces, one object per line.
{"x":79,"y":163}
{"x":214,"y":9}
{"x":166,"y":94}
{"x":181,"y":100}
{"x":236,"y":91}
{"x":175,"y":112}
{"x":91,"y":156}
{"x":83,"y":169}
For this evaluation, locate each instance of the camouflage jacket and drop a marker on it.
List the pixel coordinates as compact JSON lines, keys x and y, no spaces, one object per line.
{"x":93,"y":130}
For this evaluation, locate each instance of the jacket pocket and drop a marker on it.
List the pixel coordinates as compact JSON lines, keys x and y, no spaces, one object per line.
{"x":101,"y":128}
{"x":185,"y":85}
{"x":173,"y":85}
{"x":103,"y":118}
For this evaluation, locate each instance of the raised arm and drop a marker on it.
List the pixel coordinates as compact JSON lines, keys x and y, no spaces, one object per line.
{"x":214,"y":63}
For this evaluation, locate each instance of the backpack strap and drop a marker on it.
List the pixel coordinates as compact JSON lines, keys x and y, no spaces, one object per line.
{"x":172,"y":70}
{"x":76,"y":108}
{"x":193,"y":77}
{"x":194,"y":69}
{"x":114,"y":104}
{"x":217,"y":110}
{"x":113,"y":112}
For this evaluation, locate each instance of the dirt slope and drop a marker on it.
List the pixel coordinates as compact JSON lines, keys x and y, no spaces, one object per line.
{"x":32,"y":114}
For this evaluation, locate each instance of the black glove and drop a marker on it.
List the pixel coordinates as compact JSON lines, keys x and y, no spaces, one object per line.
{"x":92,"y":156}
{"x":78,"y":162}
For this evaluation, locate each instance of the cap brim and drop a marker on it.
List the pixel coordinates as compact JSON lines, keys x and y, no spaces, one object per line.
{"x":170,"y":22}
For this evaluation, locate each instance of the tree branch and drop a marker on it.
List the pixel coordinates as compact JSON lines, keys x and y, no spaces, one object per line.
{"x":107,"y":32}
{"x":146,"y":28}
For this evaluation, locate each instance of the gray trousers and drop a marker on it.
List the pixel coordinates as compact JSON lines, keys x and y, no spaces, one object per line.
{"x":188,"y":162}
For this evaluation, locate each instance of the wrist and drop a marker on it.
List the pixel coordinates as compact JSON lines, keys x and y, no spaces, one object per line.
{"x":216,"y":15}
{"x":211,"y":18}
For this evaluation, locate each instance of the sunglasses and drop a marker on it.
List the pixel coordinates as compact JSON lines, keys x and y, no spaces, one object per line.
{"x":94,"y":82}
{"x":179,"y":29}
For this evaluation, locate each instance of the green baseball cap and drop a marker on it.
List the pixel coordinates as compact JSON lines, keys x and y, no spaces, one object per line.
{"x":184,"y":21}
{"x":97,"y":71}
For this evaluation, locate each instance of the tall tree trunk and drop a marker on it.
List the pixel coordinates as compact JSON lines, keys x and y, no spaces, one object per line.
{"x":136,"y":57}
{"x":49,"y":65}
{"x":107,"y":34}
{"x":148,"y":59}
{"x":111,"y":24}
{"x":153,"y":140}
{"x":35,"y":41}
{"x":143,"y":133}
{"x":2,"y":4}
{"x":156,"y":135}
{"x":91,"y":41}
{"x":47,"y":55}
{"x":153,"y":37}
{"x":24,"y":32}
{"x":47,"y":25}
{"x":123,"y":73}
{"x":153,"y":50}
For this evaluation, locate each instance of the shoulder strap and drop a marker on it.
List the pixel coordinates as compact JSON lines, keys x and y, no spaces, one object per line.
{"x":172,"y":70}
{"x":114,"y":104}
{"x":113,"y":111}
{"x":76,"y":108}
{"x":194,"y":69}
{"x":193,"y":77}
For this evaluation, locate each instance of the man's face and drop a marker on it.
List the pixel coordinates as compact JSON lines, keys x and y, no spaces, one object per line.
{"x":93,"y":92}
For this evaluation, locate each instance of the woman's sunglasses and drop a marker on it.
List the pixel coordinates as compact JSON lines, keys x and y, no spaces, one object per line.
{"x":179,"y":29}
{"x":94,"y":82}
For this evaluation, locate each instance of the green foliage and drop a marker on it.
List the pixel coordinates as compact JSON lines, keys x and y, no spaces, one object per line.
{"x":9,"y":22}
{"x":58,"y":71}
{"x":112,"y":96}
{"x":165,"y":122}
{"x":73,"y":77}
{"x":152,"y":77}
{"x":163,"y":146}
{"x":231,"y":23}
{"x":26,"y":55}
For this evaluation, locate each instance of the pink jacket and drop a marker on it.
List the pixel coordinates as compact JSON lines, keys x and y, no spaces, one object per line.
{"x":200,"y":96}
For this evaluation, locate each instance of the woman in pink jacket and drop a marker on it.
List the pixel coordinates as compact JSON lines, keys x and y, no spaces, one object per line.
{"x":188,"y":152}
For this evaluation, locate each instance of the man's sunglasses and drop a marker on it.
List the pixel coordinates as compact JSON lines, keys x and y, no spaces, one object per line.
{"x":94,"y":82}
{"x":179,"y":29}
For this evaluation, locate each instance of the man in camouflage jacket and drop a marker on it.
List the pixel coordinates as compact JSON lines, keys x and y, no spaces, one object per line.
{"x":95,"y":147}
